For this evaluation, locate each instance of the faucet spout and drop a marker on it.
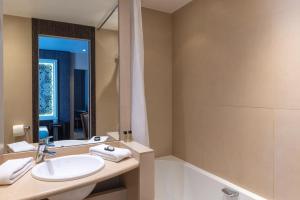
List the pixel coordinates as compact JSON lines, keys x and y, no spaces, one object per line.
{"x":42,"y":151}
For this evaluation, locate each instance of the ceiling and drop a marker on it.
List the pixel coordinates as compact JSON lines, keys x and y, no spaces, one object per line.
{"x":85,"y":12}
{"x":168,"y":6}
{"x":113,"y":22}
{"x":63,"y":44}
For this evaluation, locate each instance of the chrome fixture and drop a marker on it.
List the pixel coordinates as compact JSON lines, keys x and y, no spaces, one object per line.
{"x":42,"y":150}
{"x":230,"y":194}
{"x":27,"y":129}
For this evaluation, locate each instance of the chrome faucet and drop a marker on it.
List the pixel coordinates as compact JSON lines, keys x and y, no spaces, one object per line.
{"x":42,"y":150}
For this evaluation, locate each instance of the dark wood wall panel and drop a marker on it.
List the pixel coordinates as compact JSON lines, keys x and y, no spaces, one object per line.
{"x":60,"y":29}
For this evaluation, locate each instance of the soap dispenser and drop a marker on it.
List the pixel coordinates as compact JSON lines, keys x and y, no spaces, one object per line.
{"x":124,"y":136}
{"x":129,"y":136}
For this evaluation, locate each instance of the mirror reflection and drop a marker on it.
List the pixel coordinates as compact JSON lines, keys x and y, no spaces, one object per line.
{"x":63,"y":88}
{"x":61,"y":70}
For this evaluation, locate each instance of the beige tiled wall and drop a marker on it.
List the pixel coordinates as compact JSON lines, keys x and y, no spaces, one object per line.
{"x":286,"y":46}
{"x":236,"y":97}
{"x":17,"y":74}
{"x":158,"y":76}
{"x":125,"y":63}
{"x":158,"y":79}
{"x":1,"y":80}
{"x":287,"y":154}
{"x":107,"y":77}
{"x":18,"y":77}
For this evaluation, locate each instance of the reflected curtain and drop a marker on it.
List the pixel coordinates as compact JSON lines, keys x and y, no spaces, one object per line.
{"x":139,"y":121}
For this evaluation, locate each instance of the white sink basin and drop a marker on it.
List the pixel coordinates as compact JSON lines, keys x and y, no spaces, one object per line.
{"x":67,"y":168}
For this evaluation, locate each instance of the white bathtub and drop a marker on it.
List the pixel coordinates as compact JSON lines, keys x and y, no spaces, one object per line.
{"x":176,"y":179}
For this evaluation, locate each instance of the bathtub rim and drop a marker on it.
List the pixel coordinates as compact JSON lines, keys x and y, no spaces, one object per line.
{"x":214,"y":177}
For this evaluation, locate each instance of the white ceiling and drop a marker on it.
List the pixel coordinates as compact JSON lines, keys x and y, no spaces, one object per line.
{"x":113,"y":22}
{"x":168,"y":6}
{"x":85,"y":12}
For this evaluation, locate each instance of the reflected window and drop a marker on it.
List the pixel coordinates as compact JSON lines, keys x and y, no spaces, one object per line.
{"x":47,"y":89}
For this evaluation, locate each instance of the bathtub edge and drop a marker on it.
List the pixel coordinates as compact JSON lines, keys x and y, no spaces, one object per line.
{"x":214,"y":177}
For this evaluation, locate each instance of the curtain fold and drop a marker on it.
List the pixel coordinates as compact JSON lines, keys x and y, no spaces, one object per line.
{"x":139,"y":121}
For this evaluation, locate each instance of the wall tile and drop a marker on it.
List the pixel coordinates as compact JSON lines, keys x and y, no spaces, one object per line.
{"x":231,"y":142}
{"x":224,"y":57}
{"x":158,"y":79}
{"x":285,"y":58}
{"x":287,"y":154}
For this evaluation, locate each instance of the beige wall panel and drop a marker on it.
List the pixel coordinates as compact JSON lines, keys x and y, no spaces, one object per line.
{"x":18,"y":77}
{"x":286,"y":61}
{"x":125,"y":64}
{"x":107,"y":77}
{"x":157,"y":27}
{"x":224,"y":90}
{"x":1,"y":81}
{"x":287,"y":165}
{"x":285,"y":48}
{"x":17,"y":74}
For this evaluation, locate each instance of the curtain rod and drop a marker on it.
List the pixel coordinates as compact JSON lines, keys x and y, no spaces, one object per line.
{"x":101,"y":24}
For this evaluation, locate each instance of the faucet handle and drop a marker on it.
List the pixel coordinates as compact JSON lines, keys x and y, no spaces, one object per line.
{"x":43,"y":144}
{"x":45,"y":141}
{"x":49,"y":153}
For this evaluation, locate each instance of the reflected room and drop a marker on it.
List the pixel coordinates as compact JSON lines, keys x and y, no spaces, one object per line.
{"x":66,"y":70}
{"x":63,"y":88}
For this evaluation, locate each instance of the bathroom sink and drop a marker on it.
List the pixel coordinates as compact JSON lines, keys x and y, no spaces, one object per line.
{"x":67,"y":168}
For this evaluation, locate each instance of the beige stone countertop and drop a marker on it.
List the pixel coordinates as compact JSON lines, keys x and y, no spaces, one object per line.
{"x":29,"y":188}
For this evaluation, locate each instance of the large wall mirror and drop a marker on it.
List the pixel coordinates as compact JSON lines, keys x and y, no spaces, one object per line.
{"x":61,"y":71}
{"x":63,"y":84}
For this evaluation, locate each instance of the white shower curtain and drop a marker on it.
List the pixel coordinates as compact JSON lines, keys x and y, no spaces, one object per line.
{"x":139,"y":121}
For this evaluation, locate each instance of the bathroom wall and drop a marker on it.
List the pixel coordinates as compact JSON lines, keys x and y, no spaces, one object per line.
{"x":1,"y":81}
{"x":158,"y":67}
{"x":17,"y":73}
{"x":18,"y":76}
{"x":286,"y":97}
{"x":158,"y":79}
{"x":107,"y":76}
{"x":236,"y":98}
{"x":125,"y":63}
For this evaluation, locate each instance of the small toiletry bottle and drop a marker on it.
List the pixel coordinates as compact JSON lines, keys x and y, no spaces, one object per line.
{"x":125,"y":136}
{"x":130,"y":136}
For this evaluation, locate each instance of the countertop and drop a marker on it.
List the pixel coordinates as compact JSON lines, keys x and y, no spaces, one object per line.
{"x":30,"y":188}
